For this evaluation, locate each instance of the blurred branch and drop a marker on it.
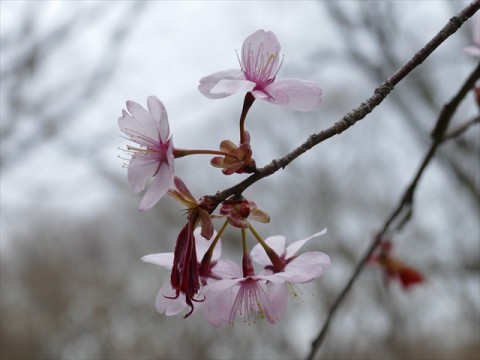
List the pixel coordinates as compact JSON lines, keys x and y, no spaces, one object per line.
{"x":48,"y":112}
{"x":359,"y":112}
{"x":461,"y":129}
{"x":404,"y":209}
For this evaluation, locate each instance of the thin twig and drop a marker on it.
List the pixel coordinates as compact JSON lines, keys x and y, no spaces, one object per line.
{"x":405,"y":204}
{"x":461,"y":129}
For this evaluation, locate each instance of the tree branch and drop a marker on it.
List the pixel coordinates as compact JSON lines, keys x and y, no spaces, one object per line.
{"x":405,"y":205}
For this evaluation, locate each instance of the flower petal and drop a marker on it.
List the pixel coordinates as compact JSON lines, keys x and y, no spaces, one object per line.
{"x":159,"y":187}
{"x":295,"y":246}
{"x":144,"y":123}
{"x":231,"y":87}
{"x":278,"y":295}
{"x":227,"y":269}
{"x":164,"y":260}
{"x":159,"y":114}
{"x":258,"y":254}
{"x":260,"y":52}
{"x":203,"y":244}
{"x":472,"y":50}
{"x":208,"y":82}
{"x":140,"y":169}
{"x":221,"y":285}
{"x":183,"y":189}
{"x":165,"y":301}
{"x":306,"y":267}
{"x":295,"y":94}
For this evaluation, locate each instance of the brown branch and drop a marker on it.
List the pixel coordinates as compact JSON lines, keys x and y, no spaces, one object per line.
{"x":359,"y":112}
{"x":461,"y":129}
{"x":405,"y":205}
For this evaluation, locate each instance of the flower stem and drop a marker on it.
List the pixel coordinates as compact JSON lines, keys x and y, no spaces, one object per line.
{"x":247,"y":104}
{"x":247,"y":265}
{"x":277,"y":262}
{"x":204,"y":269}
{"x":209,"y":252}
{"x":178,"y":153}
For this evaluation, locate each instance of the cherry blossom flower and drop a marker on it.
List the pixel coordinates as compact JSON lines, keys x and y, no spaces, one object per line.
{"x":167,"y":300}
{"x":291,"y":268}
{"x":154,"y":156}
{"x":395,"y":269}
{"x":243,"y":294}
{"x":259,"y":64}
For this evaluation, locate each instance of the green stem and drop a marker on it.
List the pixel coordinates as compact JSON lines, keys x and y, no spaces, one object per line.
{"x":204,"y":270}
{"x":209,"y":252}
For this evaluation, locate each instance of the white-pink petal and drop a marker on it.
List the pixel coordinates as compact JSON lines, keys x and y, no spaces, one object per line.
{"x":227,"y":269}
{"x":164,"y":260}
{"x":306,"y":267}
{"x":231,"y":87}
{"x":295,"y":94}
{"x":208,"y":82}
{"x":472,"y":50}
{"x":140,"y":170}
{"x":165,"y":301}
{"x":143,"y":123}
{"x":159,"y":114}
{"x":296,"y":245}
{"x":259,"y":53}
{"x":202,"y":245}
{"x":162,"y":181}
{"x":278,"y":296}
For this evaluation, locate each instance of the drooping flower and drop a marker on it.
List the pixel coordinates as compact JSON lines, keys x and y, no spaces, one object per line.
{"x":245,"y":294}
{"x":153,"y":158}
{"x":167,"y":300}
{"x":260,"y":64}
{"x":291,"y":267}
{"x":395,"y":269}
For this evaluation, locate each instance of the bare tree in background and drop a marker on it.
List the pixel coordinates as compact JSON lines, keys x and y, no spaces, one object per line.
{"x":35,"y":107}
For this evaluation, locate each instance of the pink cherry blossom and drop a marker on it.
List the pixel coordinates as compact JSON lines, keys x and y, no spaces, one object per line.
{"x":167,"y":300}
{"x":242,"y":296}
{"x":154,"y":156}
{"x":260,"y":63}
{"x":296,"y":268}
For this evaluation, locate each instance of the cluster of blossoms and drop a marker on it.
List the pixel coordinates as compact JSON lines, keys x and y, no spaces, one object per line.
{"x":200,"y":280}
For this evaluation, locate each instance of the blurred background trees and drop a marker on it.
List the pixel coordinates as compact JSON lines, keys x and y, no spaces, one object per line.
{"x":72,"y":285}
